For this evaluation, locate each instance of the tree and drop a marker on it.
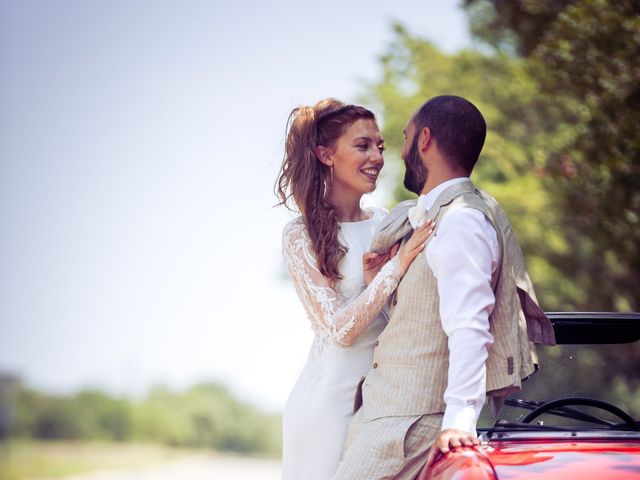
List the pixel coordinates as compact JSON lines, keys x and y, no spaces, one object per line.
{"x":205,"y":416}
{"x":584,"y":56}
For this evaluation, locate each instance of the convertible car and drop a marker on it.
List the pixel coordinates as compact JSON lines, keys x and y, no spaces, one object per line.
{"x":577,"y":418}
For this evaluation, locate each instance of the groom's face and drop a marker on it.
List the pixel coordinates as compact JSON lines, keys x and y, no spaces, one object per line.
{"x":416,"y":172}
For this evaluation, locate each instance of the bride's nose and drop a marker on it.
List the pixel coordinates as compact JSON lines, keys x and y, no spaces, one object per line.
{"x":377,"y":158}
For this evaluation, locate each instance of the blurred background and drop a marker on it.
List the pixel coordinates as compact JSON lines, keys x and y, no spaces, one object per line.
{"x":144,"y":313}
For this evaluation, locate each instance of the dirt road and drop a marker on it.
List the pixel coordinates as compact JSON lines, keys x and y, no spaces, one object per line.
{"x":201,"y":467}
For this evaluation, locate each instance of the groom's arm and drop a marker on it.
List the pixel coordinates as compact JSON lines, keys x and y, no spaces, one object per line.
{"x":463,"y":256}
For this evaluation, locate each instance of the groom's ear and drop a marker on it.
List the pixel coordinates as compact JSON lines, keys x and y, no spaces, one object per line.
{"x":324,"y":155}
{"x":424,"y":139}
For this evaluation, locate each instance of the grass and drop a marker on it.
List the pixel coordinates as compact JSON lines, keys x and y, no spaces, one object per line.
{"x":34,"y":459}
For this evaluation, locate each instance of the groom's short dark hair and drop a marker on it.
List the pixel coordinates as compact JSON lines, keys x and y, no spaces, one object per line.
{"x":457,"y":126}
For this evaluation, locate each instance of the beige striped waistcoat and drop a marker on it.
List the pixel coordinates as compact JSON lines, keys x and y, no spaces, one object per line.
{"x":409,"y":374}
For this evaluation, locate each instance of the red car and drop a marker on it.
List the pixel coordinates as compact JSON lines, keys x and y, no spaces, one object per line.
{"x":572,"y":430}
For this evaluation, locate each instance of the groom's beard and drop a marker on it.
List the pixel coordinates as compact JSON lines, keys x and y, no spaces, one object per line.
{"x":416,"y":173}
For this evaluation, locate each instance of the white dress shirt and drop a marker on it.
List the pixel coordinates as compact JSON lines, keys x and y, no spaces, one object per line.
{"x":463,"y":255}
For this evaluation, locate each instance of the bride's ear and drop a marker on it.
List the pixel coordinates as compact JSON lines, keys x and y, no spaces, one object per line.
{"x":324,"y":155}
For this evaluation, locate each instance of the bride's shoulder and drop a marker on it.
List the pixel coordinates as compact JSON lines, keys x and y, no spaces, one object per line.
{"x":294,"y":229}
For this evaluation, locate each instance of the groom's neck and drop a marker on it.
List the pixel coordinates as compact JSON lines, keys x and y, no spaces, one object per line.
{"x":440,"y":170}
{"x":437,"y":179}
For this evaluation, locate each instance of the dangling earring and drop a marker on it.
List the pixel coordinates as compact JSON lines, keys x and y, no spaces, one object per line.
{"x":328,"y":182}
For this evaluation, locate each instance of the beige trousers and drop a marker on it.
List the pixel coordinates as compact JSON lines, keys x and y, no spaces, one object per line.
{"x":387,"y":448}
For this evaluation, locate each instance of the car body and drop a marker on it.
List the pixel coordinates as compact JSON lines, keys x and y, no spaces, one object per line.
{"x":581,"y":436}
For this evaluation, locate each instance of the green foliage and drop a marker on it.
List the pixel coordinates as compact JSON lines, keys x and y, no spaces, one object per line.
{"x":205,"y":416}
{"x":583,"y":54}
{"x":561,"y":95}
{"x":514,"y":25}
{"x":590,"y":56}
{"x":88,"y":414}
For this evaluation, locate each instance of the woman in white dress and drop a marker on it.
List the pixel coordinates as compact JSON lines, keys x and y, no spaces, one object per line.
{"x":333,"y":155}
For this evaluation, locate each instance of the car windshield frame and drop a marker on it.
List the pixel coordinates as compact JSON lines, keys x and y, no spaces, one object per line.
{"x":589,"y":360}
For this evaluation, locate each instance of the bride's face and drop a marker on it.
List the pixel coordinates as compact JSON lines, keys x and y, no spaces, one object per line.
{"x":357,"y":158}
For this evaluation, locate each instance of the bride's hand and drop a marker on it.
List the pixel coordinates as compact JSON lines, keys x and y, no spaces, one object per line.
{"x":373,"y":262}
{"x":410,"y":250}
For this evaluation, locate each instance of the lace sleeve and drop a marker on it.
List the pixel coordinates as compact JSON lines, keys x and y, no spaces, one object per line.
{"x":341,"y":323}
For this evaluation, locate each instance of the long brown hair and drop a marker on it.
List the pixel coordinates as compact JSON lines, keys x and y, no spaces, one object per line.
{"x":305,"y":178}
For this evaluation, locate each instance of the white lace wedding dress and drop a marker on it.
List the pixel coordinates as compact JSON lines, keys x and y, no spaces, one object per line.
{"x":320,"y":406}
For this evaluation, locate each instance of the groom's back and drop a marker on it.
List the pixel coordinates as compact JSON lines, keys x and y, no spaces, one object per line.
{"x":409,"y":374}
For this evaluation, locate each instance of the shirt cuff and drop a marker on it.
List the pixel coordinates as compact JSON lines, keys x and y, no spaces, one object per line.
{"x":461,"y":418}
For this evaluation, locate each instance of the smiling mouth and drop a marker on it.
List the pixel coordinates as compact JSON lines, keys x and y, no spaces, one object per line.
{"x":371,"y":172}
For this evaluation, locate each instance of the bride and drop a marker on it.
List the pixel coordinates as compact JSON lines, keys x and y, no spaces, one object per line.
{"x":333,"y":156}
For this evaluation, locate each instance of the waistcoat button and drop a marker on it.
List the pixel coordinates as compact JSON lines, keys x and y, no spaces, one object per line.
{"x":375,"y":365}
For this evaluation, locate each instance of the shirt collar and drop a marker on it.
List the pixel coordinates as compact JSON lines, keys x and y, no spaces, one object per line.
{"x":427,"y":199}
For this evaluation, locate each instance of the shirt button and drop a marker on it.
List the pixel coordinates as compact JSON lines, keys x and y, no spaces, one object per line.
{"x":375,"y":365}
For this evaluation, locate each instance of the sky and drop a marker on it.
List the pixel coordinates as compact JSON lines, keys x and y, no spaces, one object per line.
{"x":139,"y":145}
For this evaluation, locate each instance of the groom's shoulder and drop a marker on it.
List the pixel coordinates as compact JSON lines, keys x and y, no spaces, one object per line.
{"x":493,"y":205}
{"x":398,"y":212}
{"x":396,"y":217}
{"x":411,"y":202}
{"x":403,"y":206}
{"x":489,"y":199}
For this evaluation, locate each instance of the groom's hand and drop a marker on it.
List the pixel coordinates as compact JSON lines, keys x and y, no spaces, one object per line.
{"x":373,"y":262}
{"x":449,"y":439}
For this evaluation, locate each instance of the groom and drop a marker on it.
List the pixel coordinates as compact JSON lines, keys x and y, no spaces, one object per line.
{"x":464,"y":317}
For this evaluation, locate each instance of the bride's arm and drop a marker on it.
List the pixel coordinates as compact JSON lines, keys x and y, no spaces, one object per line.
{"x":342,"y":323}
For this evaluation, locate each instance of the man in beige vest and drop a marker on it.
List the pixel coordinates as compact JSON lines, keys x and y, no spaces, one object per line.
{"x":464,"y":317}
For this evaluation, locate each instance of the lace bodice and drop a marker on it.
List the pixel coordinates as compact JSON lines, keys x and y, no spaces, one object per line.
{"x":332,"y":313}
